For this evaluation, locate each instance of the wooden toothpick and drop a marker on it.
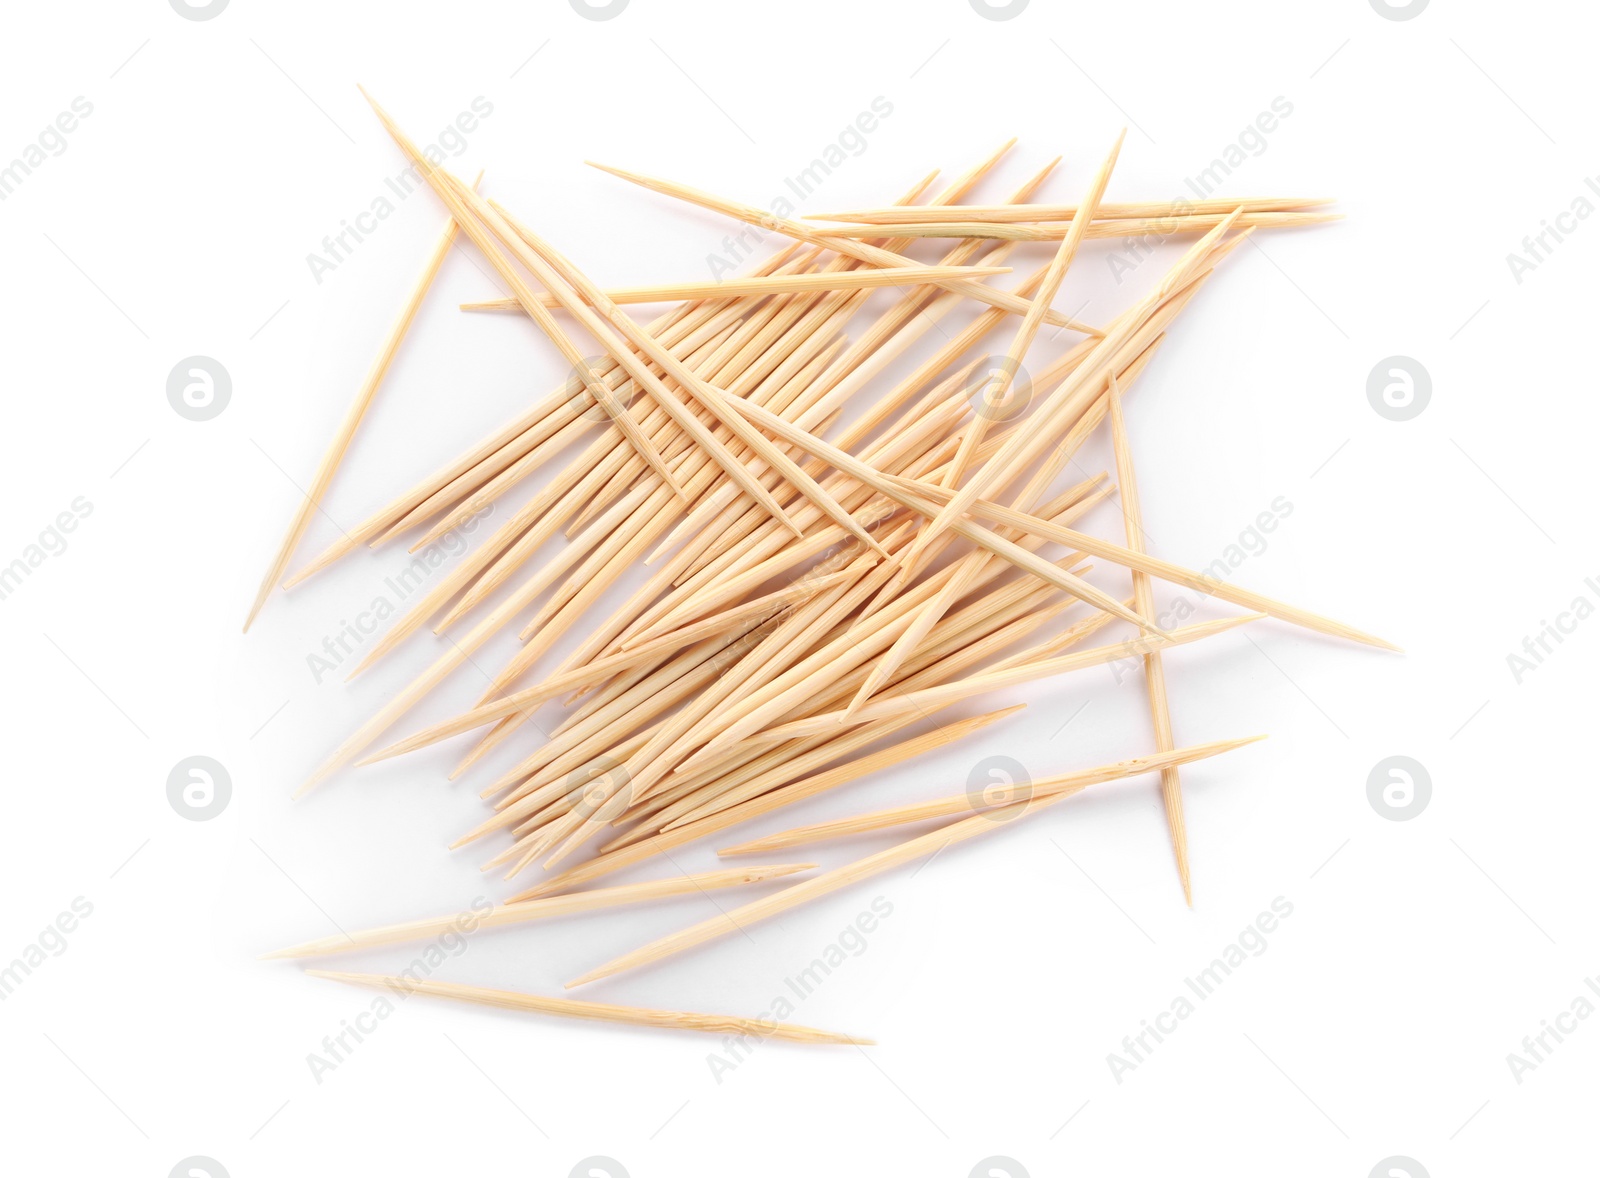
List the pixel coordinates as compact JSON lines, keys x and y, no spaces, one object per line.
{"x":639,"y":1016}
{"x":474,"y":919}
{"x":340,"y":442}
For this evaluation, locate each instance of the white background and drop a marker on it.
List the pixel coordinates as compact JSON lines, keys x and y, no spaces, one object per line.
{"x":1378,"y":1020}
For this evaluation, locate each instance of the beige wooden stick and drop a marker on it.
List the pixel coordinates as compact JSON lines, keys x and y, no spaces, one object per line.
{"x":1042,"y":212}
{"x":779,"y":285}
{"x":829,"y":881}
{"x":1155,"y":673}
{"x":639,"y":1016}
{"x":476,"y":918}
{"x":1099,"y":230}
{"x":342,"y":436}
{"x":970,"y":802}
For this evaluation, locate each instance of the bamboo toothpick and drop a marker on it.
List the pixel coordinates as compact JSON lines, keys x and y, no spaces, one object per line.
{"x":894,"y":217}
{"x":475,"y":919}
{"x":340,"y":442}
{"x":1157,"y":227}
{"x":1155,"y":674}
{"x":639,"y":1016}
{"x":779,"y":284}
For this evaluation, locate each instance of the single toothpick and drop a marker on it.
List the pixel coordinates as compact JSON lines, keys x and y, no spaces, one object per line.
{"x":473,"y":919}
{"x":781,"y":284}
{"x":340,"y":442}
{"x":895,"y":217}
{"x":1099,"y":230}
{"x":1155,"y":673}
{"x":639,"y":1016}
